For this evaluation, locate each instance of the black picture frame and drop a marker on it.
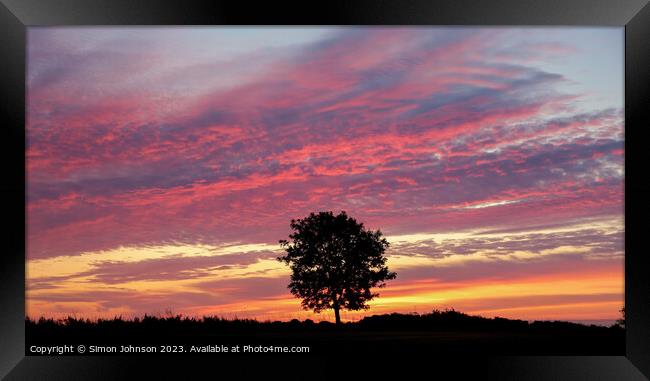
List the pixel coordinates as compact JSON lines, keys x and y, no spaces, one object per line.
{"x":17,"y":15}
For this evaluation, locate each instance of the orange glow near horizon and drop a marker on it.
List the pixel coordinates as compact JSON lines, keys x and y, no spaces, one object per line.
{"x":466,"y":299}
{"x":592,"y":294}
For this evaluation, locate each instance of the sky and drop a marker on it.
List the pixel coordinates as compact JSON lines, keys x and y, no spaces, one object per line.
{"x":164,"y":164}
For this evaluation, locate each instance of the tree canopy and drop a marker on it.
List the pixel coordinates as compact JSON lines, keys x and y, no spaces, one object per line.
{"x":335,"y":262}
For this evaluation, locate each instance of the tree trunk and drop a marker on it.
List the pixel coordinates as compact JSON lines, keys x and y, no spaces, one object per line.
{"x":336,"y":315}
{"x":336,"y":307}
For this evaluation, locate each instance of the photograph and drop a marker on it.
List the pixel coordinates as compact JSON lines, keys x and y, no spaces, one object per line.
{"x":240,"y":190}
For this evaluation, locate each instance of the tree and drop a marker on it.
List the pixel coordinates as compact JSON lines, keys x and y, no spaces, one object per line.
{"x":621,"y":321}
{"x":335,"y":262}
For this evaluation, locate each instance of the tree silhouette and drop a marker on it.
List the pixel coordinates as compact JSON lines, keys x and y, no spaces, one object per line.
{"x":621,"y":321}
{"x":335,"y":262}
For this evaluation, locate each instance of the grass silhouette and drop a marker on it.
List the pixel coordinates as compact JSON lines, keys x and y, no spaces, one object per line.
{"x":446,"y":331}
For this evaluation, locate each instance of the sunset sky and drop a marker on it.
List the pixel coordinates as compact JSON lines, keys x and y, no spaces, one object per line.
{"x":164,"y":164}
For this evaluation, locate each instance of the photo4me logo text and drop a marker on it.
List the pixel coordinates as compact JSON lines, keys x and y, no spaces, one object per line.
{"x":91,"y":349}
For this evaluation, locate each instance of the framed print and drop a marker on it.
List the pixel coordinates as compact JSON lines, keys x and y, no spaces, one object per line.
{"x":202,"y":187}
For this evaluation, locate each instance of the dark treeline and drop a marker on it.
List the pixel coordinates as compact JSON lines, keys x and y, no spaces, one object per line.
{"x":436,"y":320}
{"x":445,"y":331}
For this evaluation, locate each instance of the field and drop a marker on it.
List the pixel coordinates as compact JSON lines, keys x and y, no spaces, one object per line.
{"x":442,"y":332}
